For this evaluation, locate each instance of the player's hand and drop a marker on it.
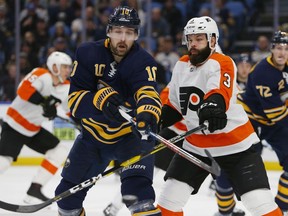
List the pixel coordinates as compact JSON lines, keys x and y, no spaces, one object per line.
{"x":49,"y":107}
{"x":108,"y":100}
{"x":212,"y":112}
{"x":146,"y":122}
{"x":111,"y":108}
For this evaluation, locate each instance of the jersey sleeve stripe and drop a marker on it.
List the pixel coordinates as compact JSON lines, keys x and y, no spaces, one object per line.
{"x":26,"y":90}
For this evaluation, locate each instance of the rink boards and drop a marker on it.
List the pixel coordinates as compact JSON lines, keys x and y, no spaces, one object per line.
{"x":67,"y":133}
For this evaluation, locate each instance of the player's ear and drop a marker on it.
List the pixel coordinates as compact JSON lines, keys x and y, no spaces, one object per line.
{"x":213,"y":42}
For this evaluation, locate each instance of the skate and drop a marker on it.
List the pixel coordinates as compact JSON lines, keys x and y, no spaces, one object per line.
{"x":236,"y":212}
{"x":110,"y":210}
{"x":34,"y":194}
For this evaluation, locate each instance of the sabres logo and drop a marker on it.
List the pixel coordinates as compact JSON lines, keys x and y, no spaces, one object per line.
{"x":67,"y":163}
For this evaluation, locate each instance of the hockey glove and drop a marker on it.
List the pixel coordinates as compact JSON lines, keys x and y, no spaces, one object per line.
{"x":49,"y":107}
{"x":108,"y":100}
{"x":145,"y":122}
{"x":213,"y":110}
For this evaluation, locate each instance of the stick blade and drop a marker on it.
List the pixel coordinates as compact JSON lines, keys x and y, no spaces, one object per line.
{"x":24,"y":208}
{"x":215,"y":168}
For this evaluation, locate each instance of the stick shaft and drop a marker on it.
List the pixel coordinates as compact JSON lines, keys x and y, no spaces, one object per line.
{"x":91,"y":181}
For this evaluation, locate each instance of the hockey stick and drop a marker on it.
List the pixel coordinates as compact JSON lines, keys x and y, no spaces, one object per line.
{"x":78,"y":127}
{"x":214,"y":168}
{"x":93,"y":180}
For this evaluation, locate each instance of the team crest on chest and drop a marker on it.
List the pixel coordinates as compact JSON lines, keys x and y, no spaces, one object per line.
{"x":190,"y":98}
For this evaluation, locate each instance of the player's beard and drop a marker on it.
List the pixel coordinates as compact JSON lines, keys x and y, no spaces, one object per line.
{"x":116,"y":51}
{"x":200,"y":57}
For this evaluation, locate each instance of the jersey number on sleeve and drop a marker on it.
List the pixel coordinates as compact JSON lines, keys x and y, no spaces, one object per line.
{"x":227,"y":81}
{"x":151,"y":73}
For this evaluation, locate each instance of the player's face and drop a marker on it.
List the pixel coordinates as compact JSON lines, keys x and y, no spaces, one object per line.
{"x":198,"y":48}
{"x":122,"y":39}
{"x":65,"y":71}
{"x":280,"y":54}
{"x":243,"y":69}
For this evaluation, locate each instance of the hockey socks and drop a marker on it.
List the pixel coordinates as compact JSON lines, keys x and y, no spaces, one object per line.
{"x":225,"y":200}
{"x":282,"y":195}
{"x":5,"y":163}
{"x":49,"y":166}
{"x":166,"y":212}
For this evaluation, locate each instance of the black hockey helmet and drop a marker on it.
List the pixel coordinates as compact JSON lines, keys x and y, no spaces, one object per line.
{"x":279,"y":37}
{"x":124,"y":16}
{"x":244,"y":57}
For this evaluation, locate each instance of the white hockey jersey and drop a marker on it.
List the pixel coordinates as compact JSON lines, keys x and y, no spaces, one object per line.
{"x":189,"y":85}
{"x":26,"y":117}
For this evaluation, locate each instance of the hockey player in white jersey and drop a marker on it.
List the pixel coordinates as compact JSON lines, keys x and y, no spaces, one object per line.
{"x":37,"y":97}
{"x":203,"y":89}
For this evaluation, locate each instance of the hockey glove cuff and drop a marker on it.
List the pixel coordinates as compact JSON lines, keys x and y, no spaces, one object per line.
{"x":213,"y":110}
{"x":147,"y":118}
{"x":108,"y":100}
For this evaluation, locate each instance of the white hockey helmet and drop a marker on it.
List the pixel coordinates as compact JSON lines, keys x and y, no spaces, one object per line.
{"x":201,"y":25}
{"x":58,"y":58}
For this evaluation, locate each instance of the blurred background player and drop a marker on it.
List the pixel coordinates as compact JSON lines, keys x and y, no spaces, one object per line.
{"x":244,"y":65}
{"x":37,"y":97}
{"x":129,"y":75}
{"x":265,"y":101}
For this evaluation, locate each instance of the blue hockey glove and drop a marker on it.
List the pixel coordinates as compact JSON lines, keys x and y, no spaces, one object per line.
{"x":49,"y":107}
{"x":146,"y":122}
{"x":108,"y":100}
{"x":213,"y":110}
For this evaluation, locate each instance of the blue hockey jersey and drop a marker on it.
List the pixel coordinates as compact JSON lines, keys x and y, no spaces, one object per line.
{"x":266,"y":94}
{"x":134,"y":78}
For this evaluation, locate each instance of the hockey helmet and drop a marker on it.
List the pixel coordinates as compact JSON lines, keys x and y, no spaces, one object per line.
{"x":58,"y":58}
{"x":244,"y":57}
{"x":279,"y":37}
{"x":124,"y":16}
{"x":201,"y":25}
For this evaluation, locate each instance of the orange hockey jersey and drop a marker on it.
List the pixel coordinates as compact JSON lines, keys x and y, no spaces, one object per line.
{"x":26,"y":117}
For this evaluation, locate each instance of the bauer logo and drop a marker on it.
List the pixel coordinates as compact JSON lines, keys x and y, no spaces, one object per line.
{"x":134,"y":166}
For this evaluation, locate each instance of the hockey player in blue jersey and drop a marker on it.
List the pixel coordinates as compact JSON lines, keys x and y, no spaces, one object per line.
{"x":129,"y":75}
{"x":265,"y":101}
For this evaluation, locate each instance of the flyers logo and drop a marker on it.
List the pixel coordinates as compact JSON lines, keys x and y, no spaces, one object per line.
{"x":190,"y":98}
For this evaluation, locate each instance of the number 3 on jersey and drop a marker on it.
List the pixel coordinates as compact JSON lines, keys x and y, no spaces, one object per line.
{"x":227,"y":80}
